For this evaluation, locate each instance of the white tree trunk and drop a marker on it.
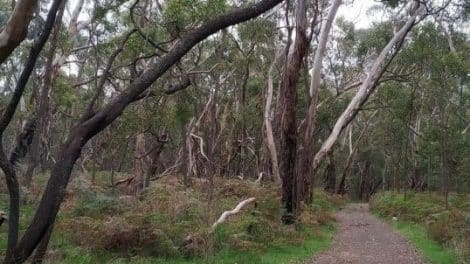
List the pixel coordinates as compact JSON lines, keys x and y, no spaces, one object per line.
{"x":367,"y":88}
{"x":317,"y":62}
{"x":267,"y":120}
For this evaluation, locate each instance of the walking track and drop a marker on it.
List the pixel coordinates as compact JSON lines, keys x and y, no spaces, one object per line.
{"x":363,"y":239}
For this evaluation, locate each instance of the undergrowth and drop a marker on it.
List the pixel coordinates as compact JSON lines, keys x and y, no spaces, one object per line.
{"x":443,"y":235}
{"x":170,"y":224}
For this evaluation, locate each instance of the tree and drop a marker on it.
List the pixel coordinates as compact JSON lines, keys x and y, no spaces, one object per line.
{"x":92,"y":123}
{"x":288,"y":146}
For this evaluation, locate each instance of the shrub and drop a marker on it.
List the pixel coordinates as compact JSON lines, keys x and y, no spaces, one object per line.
{"x":438,"y":227}
{"x":445,"y":226}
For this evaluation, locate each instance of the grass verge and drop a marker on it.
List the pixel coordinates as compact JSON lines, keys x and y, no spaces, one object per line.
{"x":441,"y":234}
{"x":431,"y":250}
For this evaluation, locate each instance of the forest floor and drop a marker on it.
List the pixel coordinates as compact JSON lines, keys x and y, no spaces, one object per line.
{"x":363,"y":239}
{"x":169,"y":223}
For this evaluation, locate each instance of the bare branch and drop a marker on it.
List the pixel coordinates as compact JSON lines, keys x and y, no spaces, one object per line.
{"x":234,"y":211}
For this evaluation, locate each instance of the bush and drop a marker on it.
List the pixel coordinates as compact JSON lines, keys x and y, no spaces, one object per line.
{"x":171,"y":221}
{"x":448,"y":227}
{"x":438,"y":227}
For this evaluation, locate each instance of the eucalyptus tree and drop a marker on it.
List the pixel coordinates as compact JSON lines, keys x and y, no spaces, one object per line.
{"x":92,"y":121}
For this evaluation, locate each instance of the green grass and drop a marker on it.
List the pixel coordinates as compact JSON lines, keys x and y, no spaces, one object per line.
{"x":95,"y":226}
{"x":280,"y":254}
{"x":433,"y":251}
{"x":440,"y":233}
{"x":283,"y":254}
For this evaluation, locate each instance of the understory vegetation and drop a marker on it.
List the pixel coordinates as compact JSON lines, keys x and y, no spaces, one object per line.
{"x":441,"y":234}
{"x":171,"y":224}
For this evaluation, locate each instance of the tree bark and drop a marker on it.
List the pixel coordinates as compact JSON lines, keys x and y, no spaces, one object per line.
{"x":42,"y":100}
{"x":330,"y":174}
{"x":6,"y":165}
{"x":290,"y":182}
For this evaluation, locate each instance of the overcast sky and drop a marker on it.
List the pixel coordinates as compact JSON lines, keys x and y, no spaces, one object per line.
{"x":357,"y":13}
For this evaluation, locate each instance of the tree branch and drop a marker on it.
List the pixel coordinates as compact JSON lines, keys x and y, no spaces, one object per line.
{"x":16,"y":29}
{"x":234,"y":211}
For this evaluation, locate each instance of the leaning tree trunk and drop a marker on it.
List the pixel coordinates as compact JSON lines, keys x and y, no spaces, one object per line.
{"x":42,"y":113}
{"x":290,"y":183}
{"x":16,"y":29}
{"x":367,"y":88}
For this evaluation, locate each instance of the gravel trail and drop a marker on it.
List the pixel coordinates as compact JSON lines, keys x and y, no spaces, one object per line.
{"x":363,"y":239}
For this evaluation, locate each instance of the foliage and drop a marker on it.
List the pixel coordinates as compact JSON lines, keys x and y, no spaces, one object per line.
{"x":447,"y":227}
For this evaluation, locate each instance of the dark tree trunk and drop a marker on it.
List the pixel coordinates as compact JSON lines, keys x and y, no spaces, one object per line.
{"x":445,"y":167}
{"x":41,"y":250}
{"x":288,"y":147}
{"x":364,"y":181}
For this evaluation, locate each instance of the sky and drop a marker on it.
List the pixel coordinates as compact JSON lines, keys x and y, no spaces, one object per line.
{"x":357,"y":13}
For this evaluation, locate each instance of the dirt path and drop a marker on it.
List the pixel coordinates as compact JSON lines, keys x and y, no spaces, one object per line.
{"x":363,"y":239}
